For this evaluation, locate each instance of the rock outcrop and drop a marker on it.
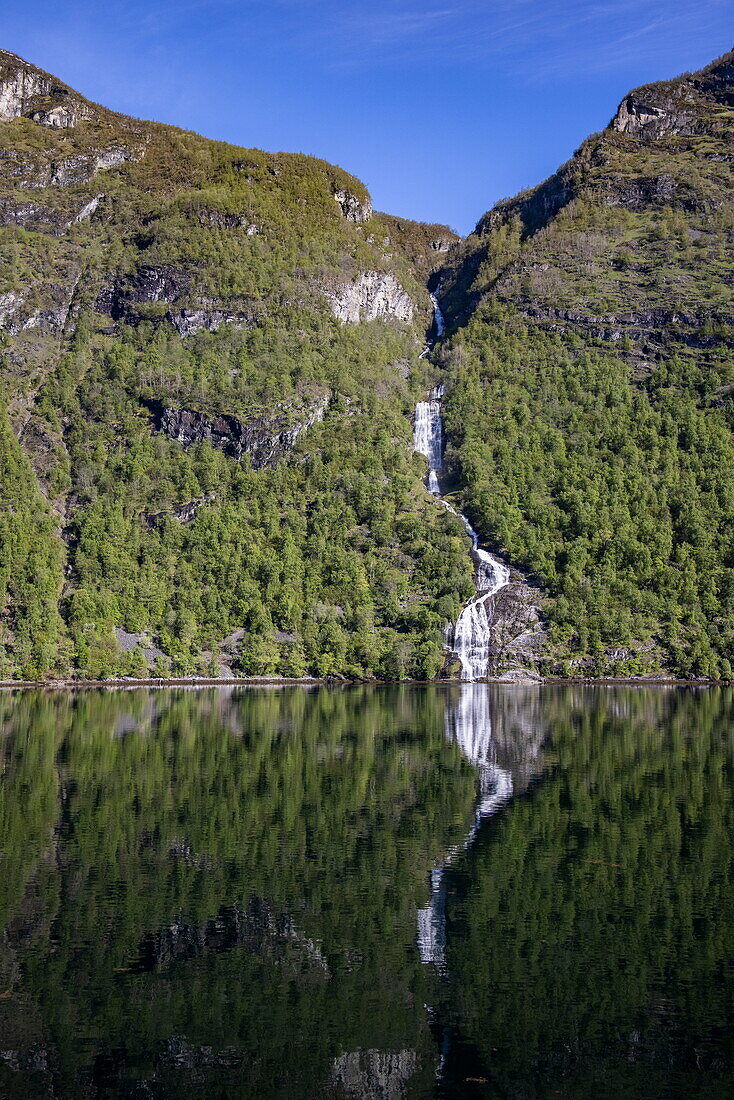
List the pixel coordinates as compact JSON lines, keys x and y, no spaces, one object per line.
{"x":25,"y":90}
{"x":126,"y":299}
{"x":374,"y":294}
{"x":264,"y":440}
{"x":354,"y":209}
{"x":646,"y":121}
{"x":145,"y":286}
{"x":259,"y":927}
{"x":373,"y":1074}
{"x":188,"y":322}
{"x":184,"y":513}
{"x":17,"y":317}
{"x":517,"y":638}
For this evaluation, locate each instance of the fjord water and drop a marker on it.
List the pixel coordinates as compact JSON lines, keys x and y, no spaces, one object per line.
{"x":424,"y":890}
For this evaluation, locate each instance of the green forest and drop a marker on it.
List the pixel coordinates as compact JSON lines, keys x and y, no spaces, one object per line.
{"x":616,"y":495}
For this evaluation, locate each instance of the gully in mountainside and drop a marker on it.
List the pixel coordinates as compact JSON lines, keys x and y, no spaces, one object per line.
{"x":470,"y":638}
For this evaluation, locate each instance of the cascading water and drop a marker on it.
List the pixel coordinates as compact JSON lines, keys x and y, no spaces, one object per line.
{"x":438,"y":316}
{"x":469,"y":636}
{"x":428,"y":436}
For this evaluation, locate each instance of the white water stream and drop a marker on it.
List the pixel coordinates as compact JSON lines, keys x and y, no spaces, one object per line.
{"x":469,"y":637}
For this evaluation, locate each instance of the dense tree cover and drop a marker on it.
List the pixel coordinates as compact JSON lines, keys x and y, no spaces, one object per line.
{"x":333,"y":562}
{"x":31,"y":630}
{"x":590,"y":931}
{"x":314,"y":815}
{"x":589,"y":406}
{"x":616,"y":495}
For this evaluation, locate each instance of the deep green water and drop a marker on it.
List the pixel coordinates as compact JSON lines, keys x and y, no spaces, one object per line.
{"x":367,"y":892}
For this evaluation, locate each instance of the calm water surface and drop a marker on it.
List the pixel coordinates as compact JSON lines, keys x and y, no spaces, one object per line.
{"x":416,"y":891}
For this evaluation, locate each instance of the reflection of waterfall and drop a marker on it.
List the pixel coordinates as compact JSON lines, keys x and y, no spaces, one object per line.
{"x":469,"y":725}
{"x":470,"y":636}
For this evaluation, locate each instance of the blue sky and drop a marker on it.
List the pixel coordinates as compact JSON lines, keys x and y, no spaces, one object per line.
{"x":441,"y":107}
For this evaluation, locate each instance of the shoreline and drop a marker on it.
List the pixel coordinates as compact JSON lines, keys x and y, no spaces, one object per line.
{"x":314,"y":681}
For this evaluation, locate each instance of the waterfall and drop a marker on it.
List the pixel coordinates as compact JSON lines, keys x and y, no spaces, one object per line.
{"x":473,"y":627}
{"x":438,"y":316}
{"x":428,"y":437}
{"x":469,"y":725}
{"x":469,"y":637}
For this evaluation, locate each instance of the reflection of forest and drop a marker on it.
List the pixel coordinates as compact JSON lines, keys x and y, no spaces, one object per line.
{"x":214,"y":892}
{"x":220,"y":887}
{"x":591,"y":933}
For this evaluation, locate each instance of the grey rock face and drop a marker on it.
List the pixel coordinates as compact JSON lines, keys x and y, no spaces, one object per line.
{"x":649,"y":121}
{"x":184,"y":513}
{"x":179,"y":1054}
{"x":649,"y":326}
{"x":10,"y":303}
{"x":265,"y":441}
{"x":517,"y":637}
{"x":353,"y":209}
{"x":259,"y":927}
{"x":188,"y":322}
{"x":222,"y":220}
{"x":14,"y":318}
{"x":81,"y":168}
{"x":34,"y":1060}
{"x":26,"y":91}
{"x":29,"y":215}
{"x":87,"y":210}
{"x":61,"y":117}
{"x":17,"y":90}
{"x":374,"y":294}
{"x":112,"y":158}
{"x":122,"y":301}
{"x":644,"y":191}
{"x":147,"y":284}
{"x":66,"y":172}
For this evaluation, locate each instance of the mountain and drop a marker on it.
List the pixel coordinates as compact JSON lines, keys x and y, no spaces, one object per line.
{"x":590,"y":380}
{"x":209,"y":358}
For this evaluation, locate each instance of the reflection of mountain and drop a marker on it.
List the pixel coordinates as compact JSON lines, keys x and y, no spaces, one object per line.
{"x":221,"y":899}
{"x":222,"y":884}
{"x":589,"y":938}
{"x":472,"y":716}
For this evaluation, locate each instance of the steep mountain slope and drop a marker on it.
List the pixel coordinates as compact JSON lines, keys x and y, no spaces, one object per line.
{"x":209,"y":356}
{"x":589,"y":402}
